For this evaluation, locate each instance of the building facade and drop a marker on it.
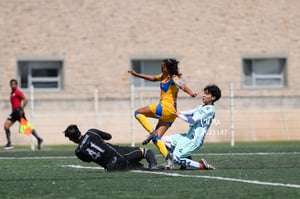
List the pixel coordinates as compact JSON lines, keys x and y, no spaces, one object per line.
{"x":75,"y":51}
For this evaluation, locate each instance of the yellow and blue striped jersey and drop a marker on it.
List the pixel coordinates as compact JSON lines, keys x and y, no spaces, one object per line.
{"x":169,"y":87}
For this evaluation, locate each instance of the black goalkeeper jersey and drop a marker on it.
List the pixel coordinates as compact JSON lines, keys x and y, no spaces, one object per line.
{"x":93,"y":148}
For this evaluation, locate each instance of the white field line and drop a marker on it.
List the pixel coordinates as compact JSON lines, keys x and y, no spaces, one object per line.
{"x":37,"y":158}
{"x":257,"y":153}
{"x":82,"y":167}
{"x":297,"y":186}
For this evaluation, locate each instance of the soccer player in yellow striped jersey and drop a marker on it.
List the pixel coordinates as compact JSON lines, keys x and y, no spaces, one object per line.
{"x":170,"y":83}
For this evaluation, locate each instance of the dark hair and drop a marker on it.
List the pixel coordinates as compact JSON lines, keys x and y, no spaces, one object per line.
{"x":13,"y":80}
{"x":172,"y":66}
{"x":214,"y":90}
{"x":72,"y":132}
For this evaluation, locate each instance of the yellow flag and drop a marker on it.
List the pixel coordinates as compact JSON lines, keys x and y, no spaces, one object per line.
{"x":25,"y":127}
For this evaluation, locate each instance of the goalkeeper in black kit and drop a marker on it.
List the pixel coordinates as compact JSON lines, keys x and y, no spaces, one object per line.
{"x":92,"y":147}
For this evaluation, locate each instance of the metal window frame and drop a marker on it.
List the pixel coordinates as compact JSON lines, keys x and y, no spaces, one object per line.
{"x":31,"y":79}
{"x":142,"y":83}
{"x":256,"y":77}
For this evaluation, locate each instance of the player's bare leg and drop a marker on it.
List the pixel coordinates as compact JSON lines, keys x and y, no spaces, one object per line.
{"x":7,"y":125}
{"x":161,"y":129}
{"x":141,"y":115}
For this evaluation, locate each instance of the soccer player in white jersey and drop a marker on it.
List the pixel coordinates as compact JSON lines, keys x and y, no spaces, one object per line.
{"x":181,"y":146}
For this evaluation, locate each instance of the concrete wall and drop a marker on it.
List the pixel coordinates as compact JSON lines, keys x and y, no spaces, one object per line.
{"x":96,"y":39}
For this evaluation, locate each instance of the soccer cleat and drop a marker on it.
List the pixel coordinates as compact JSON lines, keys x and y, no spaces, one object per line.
{"x":205,"y":166}
{"x":157,"y":168}
{"x":40,"y":142}
{"x":8,"y":146}
{"x":170,"y":164}
{"x":150,"y":137}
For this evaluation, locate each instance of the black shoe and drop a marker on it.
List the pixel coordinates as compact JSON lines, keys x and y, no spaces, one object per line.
{"x":8,"y":146}
{"x":40,"y":142}
{"x":150,"y":137}
{"x":157,"y":168}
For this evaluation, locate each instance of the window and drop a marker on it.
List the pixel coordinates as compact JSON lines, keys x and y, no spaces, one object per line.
{"x":264,"y":72}
{"x":43,"y":75}
{"x":149,"y":67}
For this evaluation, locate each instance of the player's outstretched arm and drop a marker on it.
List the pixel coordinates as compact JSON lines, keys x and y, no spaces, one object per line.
{"x":102,"y":134}
{"x":186,"y":89}
{"x":188,"y":117}
{"x":143,"y":76}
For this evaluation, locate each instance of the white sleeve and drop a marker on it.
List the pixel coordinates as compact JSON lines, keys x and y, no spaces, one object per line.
{"x":187,"y":116}
{"x":184,"y":117}
{"x":190,"y":119}
{"x":188,"y":112}
{"x":178,"y":81}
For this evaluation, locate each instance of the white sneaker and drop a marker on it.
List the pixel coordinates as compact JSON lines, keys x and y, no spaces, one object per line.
{"x":169,"y":164}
